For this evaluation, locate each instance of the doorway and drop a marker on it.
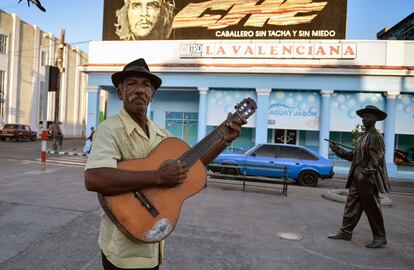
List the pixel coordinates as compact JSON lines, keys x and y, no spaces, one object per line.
{"x":286,"y":136}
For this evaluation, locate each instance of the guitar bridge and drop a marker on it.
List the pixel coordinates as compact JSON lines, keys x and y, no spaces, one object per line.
{"x":146,"y":203}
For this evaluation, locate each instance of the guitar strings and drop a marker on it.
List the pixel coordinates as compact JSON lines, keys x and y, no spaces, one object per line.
{"x":191,"y":156}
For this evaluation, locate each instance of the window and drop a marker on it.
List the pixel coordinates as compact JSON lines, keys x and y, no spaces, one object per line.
{"x":43,"y":56}
{"x":3,"y":44}
{"x":183,"y":125}
{"x":305,"y":155}
{"x":295,"y":153}
{"x":2,"y":90}
{"x":266,"y":151}
{"x":288,"y":152}
{"x":340,"y":137}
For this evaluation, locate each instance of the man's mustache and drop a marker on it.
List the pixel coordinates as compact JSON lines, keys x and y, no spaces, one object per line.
{"x":144,"y":21}
{"x":136,"y":96}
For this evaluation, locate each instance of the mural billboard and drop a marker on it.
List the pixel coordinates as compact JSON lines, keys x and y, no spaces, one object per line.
{"x":224,"y":19}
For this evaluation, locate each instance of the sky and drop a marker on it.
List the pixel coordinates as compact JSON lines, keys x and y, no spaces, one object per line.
{"x":82,"y":19}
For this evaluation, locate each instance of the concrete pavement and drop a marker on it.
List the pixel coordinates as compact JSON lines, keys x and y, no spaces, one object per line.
{"x":49,"y":221}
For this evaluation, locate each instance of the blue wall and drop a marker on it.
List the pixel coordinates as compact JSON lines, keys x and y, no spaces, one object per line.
{"x":173,"y":101}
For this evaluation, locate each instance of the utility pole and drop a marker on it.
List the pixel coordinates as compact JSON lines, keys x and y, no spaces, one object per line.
{"x":59,"y":64}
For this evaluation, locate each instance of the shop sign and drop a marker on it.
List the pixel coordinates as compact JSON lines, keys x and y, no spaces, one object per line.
{"x":268,"y":50}
{"x":294,"y":110}
{"x":224,"y":19}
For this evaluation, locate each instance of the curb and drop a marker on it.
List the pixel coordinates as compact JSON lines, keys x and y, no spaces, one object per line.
{"x":335,"y":195}
{"x":67,"y":153}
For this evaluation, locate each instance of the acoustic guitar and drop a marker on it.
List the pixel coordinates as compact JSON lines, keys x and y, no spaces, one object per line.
{"x":150,"y":215}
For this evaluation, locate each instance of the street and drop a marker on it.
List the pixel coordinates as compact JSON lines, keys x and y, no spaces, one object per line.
{"x":49,"y":221}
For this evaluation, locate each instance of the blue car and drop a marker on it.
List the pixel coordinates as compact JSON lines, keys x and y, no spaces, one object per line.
{"x":302,"y":164}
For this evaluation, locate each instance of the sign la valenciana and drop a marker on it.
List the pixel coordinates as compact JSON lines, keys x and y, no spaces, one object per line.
{"x":299,"y":50}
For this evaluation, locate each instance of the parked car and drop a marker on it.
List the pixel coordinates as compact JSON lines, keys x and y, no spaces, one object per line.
{"x":17,"y":132}
{"x":303,"y":165}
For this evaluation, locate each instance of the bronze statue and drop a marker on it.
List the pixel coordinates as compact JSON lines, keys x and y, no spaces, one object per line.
{"x":367,"y":177}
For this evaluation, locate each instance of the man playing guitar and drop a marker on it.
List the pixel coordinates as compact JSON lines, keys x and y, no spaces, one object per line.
{"x":131,"y":135}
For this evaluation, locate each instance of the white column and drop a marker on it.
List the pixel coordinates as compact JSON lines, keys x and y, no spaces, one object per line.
{"x":76,"y":130}
{"x":35,"y":80}
{"x":324,"y":121}
{"x":389,"y":131}
{"x":202,"y":113}
{"x":93,"y":108}
{"x":262,"y":114}
{"x":12,"y":95}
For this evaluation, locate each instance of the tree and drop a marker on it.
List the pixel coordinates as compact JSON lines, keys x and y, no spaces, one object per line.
{"x":356,"y":132}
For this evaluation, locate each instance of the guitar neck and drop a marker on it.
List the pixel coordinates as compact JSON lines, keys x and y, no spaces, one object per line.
{"x":203,"y":146}
{"x":243,"y":110}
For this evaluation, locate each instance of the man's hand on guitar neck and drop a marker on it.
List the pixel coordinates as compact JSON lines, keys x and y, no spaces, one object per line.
{"x":234,"y":130}
{"x":172,"y":173}
{"x":234,"y":125}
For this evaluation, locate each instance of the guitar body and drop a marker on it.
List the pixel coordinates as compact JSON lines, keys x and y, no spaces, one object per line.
{"x":150,"y":215}
{"x":128,"y":213}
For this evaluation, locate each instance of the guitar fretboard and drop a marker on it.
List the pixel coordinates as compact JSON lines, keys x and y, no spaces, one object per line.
{"x":194,"y":154}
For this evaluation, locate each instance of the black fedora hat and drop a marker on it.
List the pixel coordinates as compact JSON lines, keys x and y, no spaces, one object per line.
{"x":374,"y":110}
{"x":136,"y":68}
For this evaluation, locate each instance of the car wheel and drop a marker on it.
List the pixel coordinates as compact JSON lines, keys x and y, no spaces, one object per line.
{"x":308,"y":179}
{"x":33,"y":138}
{"x":231,"y":171}
{"x":3,"y":139}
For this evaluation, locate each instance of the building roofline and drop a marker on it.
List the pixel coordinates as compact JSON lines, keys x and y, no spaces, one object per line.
{"x":381,"y":70}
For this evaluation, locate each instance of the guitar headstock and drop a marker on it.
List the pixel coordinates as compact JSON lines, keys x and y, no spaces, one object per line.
{"x":245,"y":108}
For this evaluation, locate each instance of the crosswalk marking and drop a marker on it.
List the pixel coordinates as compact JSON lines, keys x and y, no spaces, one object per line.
{"x":76,"y":161}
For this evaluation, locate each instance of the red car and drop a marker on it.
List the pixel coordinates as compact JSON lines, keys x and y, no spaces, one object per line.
{"x":17,"y":132}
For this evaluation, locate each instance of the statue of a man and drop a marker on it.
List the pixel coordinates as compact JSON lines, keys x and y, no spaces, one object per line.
{"x":367,"y":177}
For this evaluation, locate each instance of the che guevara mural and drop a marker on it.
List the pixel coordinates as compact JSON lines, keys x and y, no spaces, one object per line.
{"x":224,"y":19}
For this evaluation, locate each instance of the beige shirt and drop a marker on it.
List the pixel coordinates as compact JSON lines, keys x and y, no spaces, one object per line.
{"x":116,"y":139}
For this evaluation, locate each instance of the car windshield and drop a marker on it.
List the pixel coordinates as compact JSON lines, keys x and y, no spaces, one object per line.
{"x":10,"y":127}
{"x":249,"y":152}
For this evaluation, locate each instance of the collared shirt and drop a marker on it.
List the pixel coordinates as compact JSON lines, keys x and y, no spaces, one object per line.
{"x":116,"y":139}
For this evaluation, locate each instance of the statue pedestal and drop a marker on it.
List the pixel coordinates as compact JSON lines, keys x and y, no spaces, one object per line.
{"x":340,"y":195}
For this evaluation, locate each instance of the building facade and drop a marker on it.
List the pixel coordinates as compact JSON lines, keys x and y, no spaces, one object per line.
{"x":403,"y":30}
{"x":25,"y":53}
{"x":305,"y":90}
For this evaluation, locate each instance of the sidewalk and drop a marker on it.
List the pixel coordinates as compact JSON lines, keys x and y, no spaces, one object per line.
{"x":48,"y":221}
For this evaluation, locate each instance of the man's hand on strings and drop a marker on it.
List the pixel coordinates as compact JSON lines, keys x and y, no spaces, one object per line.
{"x":172,"y":173}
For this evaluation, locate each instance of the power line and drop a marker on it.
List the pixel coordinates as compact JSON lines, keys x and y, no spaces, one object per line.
{"x":47,"y":46}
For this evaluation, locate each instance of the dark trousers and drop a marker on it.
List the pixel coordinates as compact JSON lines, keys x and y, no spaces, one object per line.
{"x":107,"y":265}
{"x":363,"y":197}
